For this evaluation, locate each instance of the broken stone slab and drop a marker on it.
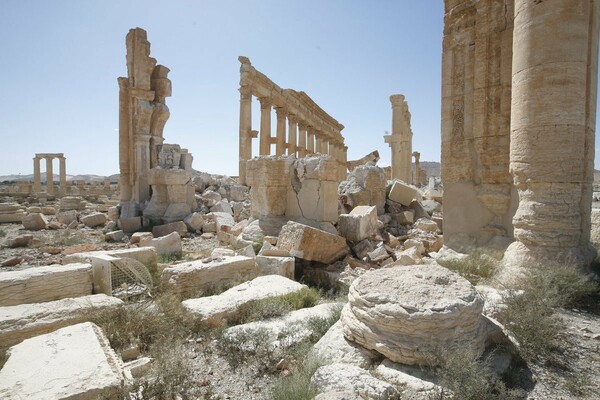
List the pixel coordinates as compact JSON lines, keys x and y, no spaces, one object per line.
{"x":404,"y":217}
{"x":224,"y":221}
{"x":48,"y":283}
{"x":222,"y":206}
{"x":425,"y":224}
{"x":366,"y":186}
{"x":114,"y":236}
{"x":415,"y":380}
{"x":406,"y":312}
{"x":311,"y":244}
{"x":270,"y":265}
{"x":34,"y":222}
{"x":403,"y":193}
{"x":194,"y":222}
{"x":74,"y":363}
{"x":48,"y":210}
{"x":66,"y":217}
{"x":334,"y":347}
{"x":137,"y":368}
{"x":431,"y":206}
{"x":360,"y":224}
{"x":145,"y":255}
{"x":12,"y":261}
{"x":28,"y":320}
{"x":281,"y":332}
{"x":187,"y":279}
{"x":93,"y":220}
{"x":19,"y":241}
{"x":130,"y":225}
{"x":410,"y":256}
{"x":169,"y":244}
{"x":346,"y":377}
{"x":11,"y":213}
{"x":166,"y":229}
{"x":377,"y":255}
{"x":71,"y":203}
{"x":138,"y":236}
{"x":362,"y":248}
{"x":268,"y":249}
{"x":216,"y":309}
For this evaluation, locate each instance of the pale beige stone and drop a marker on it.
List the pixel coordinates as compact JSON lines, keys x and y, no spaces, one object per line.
{"x":311,"y":244}
{"x":169,"y":244}
{"x":400,"y":140}
{"x":403,"y":194}
{"x":346,"y":377}
{"x":93,"y":220}
{"x":359,"y":224}
{"x":138,"y":236}
{"x":165,"y":229}
{"x":364,"y":186}
{"x":74,"y":363}
{"x":34,"y":222}
{"x":272,"y":265}
{"x":66,"y":217}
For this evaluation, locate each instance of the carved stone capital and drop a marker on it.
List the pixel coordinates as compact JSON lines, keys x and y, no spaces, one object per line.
{"x":281,"y":112}
{"x":265,"y":102}
{"x":293,"y":118}
{"x":397,"y":100}
{"x":246,"y":92}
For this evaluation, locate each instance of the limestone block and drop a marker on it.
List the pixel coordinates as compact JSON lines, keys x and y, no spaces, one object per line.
{"x":215,"y":309}
{"x":93,"y":220}
{"x":415,"y":379}
{"x":417,"y":244}
{"x":169,"y":244}
{"x":378,"y":255}
{"x":366,"y":185}
{"x":130,"y":225}
{"x":23,"y":321}
{"x":187,"y":279}
{"x":405,"y":312}
{"x":145,"y":255}
{"x":210,"y":198}
{"x":113,"y":213}
{"x":410,"y":256}
{"x":40,"y":284}
{"x":138,"y":236}
{"x":74,"y":363}
{"x":12,"y":217}
{"x":247,"y":251}
{"x":66,"y":217}
{"x":431,"y":206}
{"x":34,"y":222}
{"x":425,"y":224}
{"x":33,"y":209}
{"x":48,"y":210}
{"x":334,"y":347}
{"x":114,"y":236}
{"x":362,"y":248}
{"x":403,"y":193}
{"x":222,"y":206}
{"x":194,"y":222}
{"x":359,"y":224}
{"x":281,"y":332}
{"x":268,"y":249}
{"x":311,"y":244}
{"x":165,"y":229}
{"x":342,"y":377}
{"x":269,"y":265}
{"x":20,"y":241}
{"x":224,"y":221}
{"x":71,"y":203}
{"x":313,"y":199}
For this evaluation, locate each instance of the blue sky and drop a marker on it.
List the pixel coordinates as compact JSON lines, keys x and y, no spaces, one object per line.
{"x":61,"y":59}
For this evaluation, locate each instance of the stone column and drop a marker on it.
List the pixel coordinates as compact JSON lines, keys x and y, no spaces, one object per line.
{"x":265,"y":126}
{"x":49,"y":176}
{"x":553,"y":113}
{"x":292,"y":134}
{"x":344,"y":159}
{"x":310,"y":140}
{"x":245,"y":139}
{"x":63,"y":176}
{"x":280,"y":144}
{"x":302,"y":139}
{"x":417,"y":176}
{"x":319,"y":143}
{"x":37,"y":182}
{"x":400,"y":140}
{"x":141,"y":189}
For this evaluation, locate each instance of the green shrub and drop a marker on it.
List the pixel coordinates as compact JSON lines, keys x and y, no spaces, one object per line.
{"x":168,"y":258}
{"x":297,"y":385}
{"x":277,"y":306}
{"x":476,"y":267}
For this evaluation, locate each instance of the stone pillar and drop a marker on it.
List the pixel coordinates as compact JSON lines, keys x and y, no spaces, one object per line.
{"x":302,"y":132}
{"x":292,"y":134}
{"x":49,"y":176}
{"x":417,"y":175}
{"x":553,"y":115}
{"x":310,"y":140}
{"x":319,"y":143}
{"x":400,"y":140}
{"x":63,"y":176}
{"x":141,"y":189}
{"x":37,"y":182}
{"x":344,"y":160}
{"x":265,"y":126}
{"x":280,"y":144}
{"x":245,"y":139}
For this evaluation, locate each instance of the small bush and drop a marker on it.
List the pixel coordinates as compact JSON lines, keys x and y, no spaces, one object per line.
{"x":297,"y":385}
{"x":476,"y":267}
{"x":66,"y":239}
{"x":320,"y":326}
{"x":2,"y":233}
{"x":277,"y":306}
{"x":169,"y":257}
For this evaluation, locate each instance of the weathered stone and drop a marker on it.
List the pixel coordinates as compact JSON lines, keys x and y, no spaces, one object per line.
{"x":138,"y":236}
{"x":12,"y":261}
{"x":20,"y":241}
{"x":194,"y":222}
{"x":268,"y":249}
{"x":40,"y":284}
{"x":224,"y":221}
{"x":210,"y":198}
{"x":48,"y":210}
{"x":413,"y":379}
{"x":311,"y":244}
{"x":169,"y":244}
{"x":406,"y":312}
{"x":365,"y":186}
{"x":403,"y":193}
{"x":93,"y":220}
{"x":269,"y":265}
{"x":222,"y":206}
{"x":362,"y":248}
{"x":145,"y":255}
{"x":23,"y":321}
{"x":359,"y":224}
{"x":166,"y":229}
{"x":338,"y":395}
{"x":410,"y":256}
{"x":187,"y":279}
{"x":71,"y":203}
{"x":216,"y":309}
{"x":11,"y":213}
{"x":378,"y":255}
{"x":404,"y":217}
{"x":130,"y":225}
{"x":342,"y":377}
{"x":113,"y":213}
{"x":431,"y":206}
{"x":77,"y":363}
{"x":114,"y":236}
{"x":34,"y":222}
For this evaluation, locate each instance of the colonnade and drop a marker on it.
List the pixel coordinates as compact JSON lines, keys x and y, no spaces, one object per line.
{"x":37,"y":182}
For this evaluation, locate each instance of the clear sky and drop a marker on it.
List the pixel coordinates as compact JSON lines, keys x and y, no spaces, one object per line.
{"x":61,"y":59}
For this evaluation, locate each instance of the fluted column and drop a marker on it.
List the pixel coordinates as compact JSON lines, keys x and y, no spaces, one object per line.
{"x":63,"y":176}
{"x":280,"y":143}
{"x":553,"y":114}
{"x":37,"y":181}
{"x":49,"y":176}
{"x":245,"y":139}
{"x":310,"y":140}
{"x":302,"y":133}
{"x":265,"y":126}
{"x":292,"y":134}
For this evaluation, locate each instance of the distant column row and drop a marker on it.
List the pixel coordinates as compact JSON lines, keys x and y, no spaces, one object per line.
{"x":37,"y":181}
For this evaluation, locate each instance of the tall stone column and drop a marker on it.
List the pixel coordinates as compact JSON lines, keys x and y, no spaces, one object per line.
{"x":400,"y":140}
{"x":245,"y":139}
{"x":265,"y":126}
{"x":49,"y":176}
{"x":310,"y":140}
{"x":280,"y":144}
{"x":553,"y":114}
{"x":37,"y":181}
{"x":319,"y":143}
{"x":302,"y":133}
{"x":141,"y":189}
{"x":63,"y":176}
{"x":292,"y":134}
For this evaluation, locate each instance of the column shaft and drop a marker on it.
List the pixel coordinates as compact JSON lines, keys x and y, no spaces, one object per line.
{"x":37,"y":182}
{"x":302,"y":139}
{"x":280,"y":144}
{"x":310,"y":140}
{"x":49,"y":176}
{"x":292,"y":134}
{"x":265,"y":126}
{"x":63,"y":176}
{"x":245,"y":139}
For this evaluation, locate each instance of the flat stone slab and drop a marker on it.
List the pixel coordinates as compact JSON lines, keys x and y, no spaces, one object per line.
{"x":224,"y":306}
{"x":188,"y":279}
{"x":145,"y":255}
{"x":40,"y":284}
{"x":407,"y":312}
{"x":74,"y":363}
{"x":27,"y":320}
{"x":284,"y":331}
{"x":311,"y":244}
{"x":403,"y":193}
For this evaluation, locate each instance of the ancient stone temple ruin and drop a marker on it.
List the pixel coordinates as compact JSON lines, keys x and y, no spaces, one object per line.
{"x":310,"y":129}
{"x":37,"y":181}
{"x":518,"y":117}
{"x":400,"y":140}
{"x":155,"y":177}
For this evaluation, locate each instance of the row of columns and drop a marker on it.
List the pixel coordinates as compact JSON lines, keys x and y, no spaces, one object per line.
{"x":294,"y":138}
{"x":37,"y":183}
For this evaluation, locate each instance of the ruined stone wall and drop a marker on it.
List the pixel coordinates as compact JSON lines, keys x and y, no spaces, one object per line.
{"x":476,"y":101}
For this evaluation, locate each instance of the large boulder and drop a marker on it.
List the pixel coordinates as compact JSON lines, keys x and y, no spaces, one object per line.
{"x":93,"y":220}
{"x":365,"y":186}
{"x":403,"y":193}
{"x":34,"y":222}
{"x":169,"y":244}
{"x":359,"y":224}
{"x":346,"y":377}
{"x":407,"y":312}
{"x":311,"y":244}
